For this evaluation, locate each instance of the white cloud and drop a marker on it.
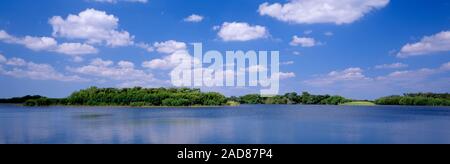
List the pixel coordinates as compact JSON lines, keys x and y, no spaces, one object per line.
{"x":428,"y":45}
{"x":33,"y":43}
{"x":170,"y":46}
{"x":101,"y":63}
{"x":124,"y":71}
{"x":391,"y":66}
{"x":76,"y":49}
{"x":38,"y":43}
{"x":408,"y":76}
{"x":321,"y":11}
{"x":2,"y":59}
{"x":126,"y":64}
{"x":328,"y":33}
{"x":355,"y":76}
{"x":20,"y":68}
{"x":423,"y":79}
{"x":239,"y":31}
{"x":16,"y":62}
{"x":116,"y":1}
{"x":157,"y":64}
{"x":4,"y":36}
{"x":350,"y":74}
{"x":146,"y":47}
{"x":48,"y":44}
{"x":168,"y":62}
{"x":307,"y":32}
{"x":42,"y":72}
{"x":255,"y":69}
{"x":92,"y":25}
{"x":303,"y":41}
{"x":194,"y":18}
{"x":287,"y":63}
{"x":77,"y":59}
{"x":216,"y":28}
{"x":177,"y":54}
{"x":286,"y":75}
{"x":446,"y":66}
{"x":397,"y":82}
{"x":296,"y":53}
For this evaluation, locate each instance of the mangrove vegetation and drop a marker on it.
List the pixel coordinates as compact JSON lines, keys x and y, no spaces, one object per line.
{"x":172,"y":97}
{"x":416,"y":99}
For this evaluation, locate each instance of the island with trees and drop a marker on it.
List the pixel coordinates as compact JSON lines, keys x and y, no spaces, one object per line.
{"x":187,"y":97}
{"x":416,"y":99}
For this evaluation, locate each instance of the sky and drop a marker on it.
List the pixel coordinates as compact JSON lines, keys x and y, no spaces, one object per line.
{"x":361,"y":49}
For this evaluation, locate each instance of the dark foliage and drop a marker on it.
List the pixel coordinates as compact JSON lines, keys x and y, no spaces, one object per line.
{"x":145,"y":97}
{"x":291,"y":98}
{"x":20,"y":100}
{"x":418,"y":99}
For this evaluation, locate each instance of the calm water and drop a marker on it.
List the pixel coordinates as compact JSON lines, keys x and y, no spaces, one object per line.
{"x":246,"y":124}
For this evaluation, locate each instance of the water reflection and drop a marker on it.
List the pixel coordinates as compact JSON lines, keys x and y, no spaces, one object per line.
{"x":245,"y":124}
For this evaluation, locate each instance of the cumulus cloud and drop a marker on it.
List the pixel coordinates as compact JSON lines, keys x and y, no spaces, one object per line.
{"x":76,"y":49}
{"x":287,"y":63}
{"x":425,"y":79}
{"x":408,"y":75}
{"x":296,"y":53}
{"x":356,"y":75}
{"x":123,"y":71}
{"x":328,"y":33}
{"x":147,"y":47}
{"x":396,"y":82}
{"x":170,"y":46}
{"x":350,"y":74}
{"x":176,"y":54}
{"x":33,"y":43}
{"x":166,"y":47}
{"x":48,"y":44}
{"x":158,"y":64}
{"x":391,"y":66}
{"x":240,"y":31}
{"x":2,"y":59}
{"x":194,"y":18}
{"x":446,"y":66}
{"x":428,"y":45}
{"x":38,"y":43}
{"x":286,"y":75}
{"x":4,"y":36}
{"x":19,"y":68}
{"x":321,"y":11}
{"x":16,"y":62}
{"x":303,"y":41}
{"x":94,"y":26}
{"x":168,"y":62}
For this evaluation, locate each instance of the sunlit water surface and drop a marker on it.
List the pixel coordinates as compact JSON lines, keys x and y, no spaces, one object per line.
{"x":248,"y":124}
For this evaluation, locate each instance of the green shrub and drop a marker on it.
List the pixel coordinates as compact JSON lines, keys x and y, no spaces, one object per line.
{"x":139,"y":104}
{"x":38,"y":102}
{"x":176,"y":102}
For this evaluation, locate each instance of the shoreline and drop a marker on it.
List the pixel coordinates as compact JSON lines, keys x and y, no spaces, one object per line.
{"x":199,"y":107}
{"x":117,"y":106}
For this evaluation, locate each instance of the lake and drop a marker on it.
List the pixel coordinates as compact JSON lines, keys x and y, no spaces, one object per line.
{"x":247,"y":124}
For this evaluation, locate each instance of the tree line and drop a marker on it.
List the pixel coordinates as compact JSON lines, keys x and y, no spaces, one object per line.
{"x":20,"y":100}
{"x":416,"y":99}
{"x":128,"y":97}
{"x":139,"y":96}
{"x":169,"y":97}
{"x":292,"y":98}
{"x":144,"y":97}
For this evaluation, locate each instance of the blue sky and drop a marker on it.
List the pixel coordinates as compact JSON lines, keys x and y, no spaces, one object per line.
{"x":361,"y":49}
